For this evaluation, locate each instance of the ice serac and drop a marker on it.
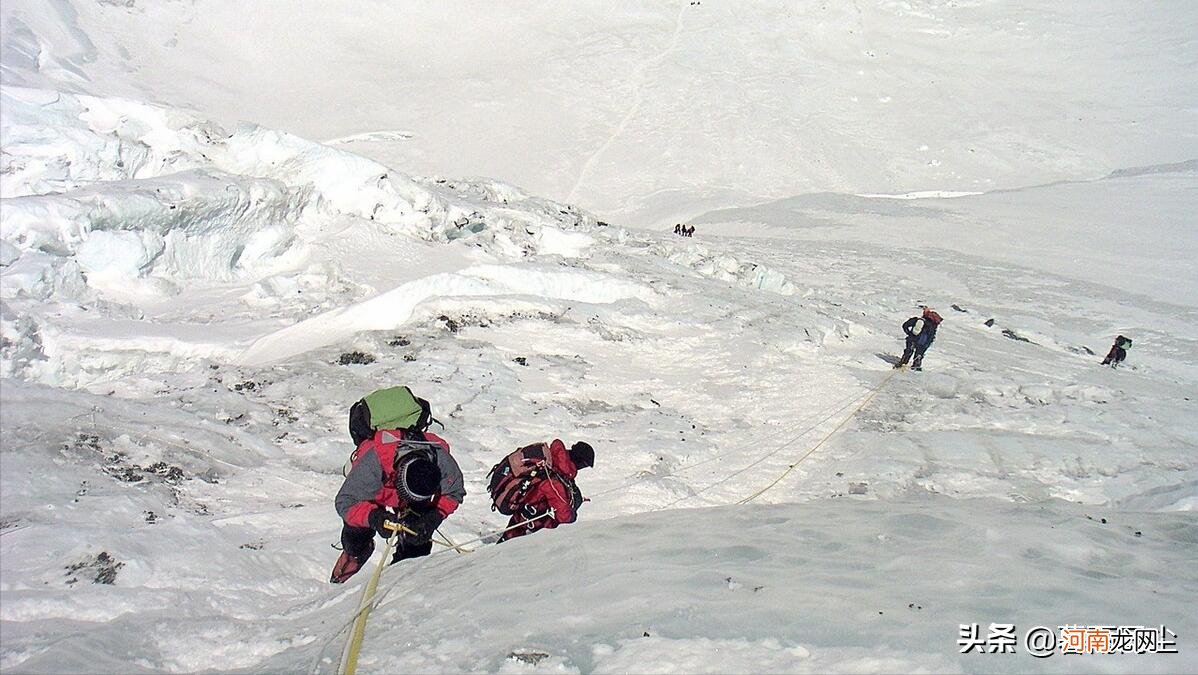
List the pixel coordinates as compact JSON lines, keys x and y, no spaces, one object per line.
{"x":122,"y":205}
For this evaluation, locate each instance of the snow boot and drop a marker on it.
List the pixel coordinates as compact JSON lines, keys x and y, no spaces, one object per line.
{"x":348,"y":565}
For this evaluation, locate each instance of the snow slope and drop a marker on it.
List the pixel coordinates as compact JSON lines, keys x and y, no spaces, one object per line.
{"x":651,"y":111}
{"x":1132,"y":231}
{"x":738,"y":596}
{"x":184,"y":445}
{"x":188,"y":306}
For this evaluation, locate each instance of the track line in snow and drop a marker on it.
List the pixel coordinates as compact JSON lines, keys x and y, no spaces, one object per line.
{"x":638,"y":78}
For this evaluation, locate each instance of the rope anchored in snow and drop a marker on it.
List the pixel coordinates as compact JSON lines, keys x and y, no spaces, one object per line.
{"x":871,"y":394}
{"x":354,"y":645}
{"x":448,"y":543}
{"x":840,"y":407}
{"x":372,"y":597}
{"x":834,"y":407}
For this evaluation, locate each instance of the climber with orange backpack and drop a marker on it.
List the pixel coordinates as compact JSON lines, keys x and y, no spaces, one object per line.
{"x":535,"y":486}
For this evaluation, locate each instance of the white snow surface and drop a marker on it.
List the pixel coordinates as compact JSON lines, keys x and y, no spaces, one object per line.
{"x":654,"y":110}
{"x":189,"y":305}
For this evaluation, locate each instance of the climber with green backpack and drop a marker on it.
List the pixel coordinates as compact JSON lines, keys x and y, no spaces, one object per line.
{"x":401,"y":484}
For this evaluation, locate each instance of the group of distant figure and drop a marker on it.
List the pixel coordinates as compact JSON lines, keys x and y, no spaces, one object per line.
{"x":684,"y":230}
{"x":921,"y":332}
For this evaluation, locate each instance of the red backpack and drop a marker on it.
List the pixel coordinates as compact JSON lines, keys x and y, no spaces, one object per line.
{"x":516,"y":474}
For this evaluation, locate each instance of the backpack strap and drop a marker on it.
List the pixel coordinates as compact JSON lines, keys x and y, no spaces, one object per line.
{"x":576,"y":498}
{"x":426,"y":413}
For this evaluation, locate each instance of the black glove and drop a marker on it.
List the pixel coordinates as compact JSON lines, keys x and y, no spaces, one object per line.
{"x":423,"y":523}
{"x":379,"y":519}
{"x":528,"y":511}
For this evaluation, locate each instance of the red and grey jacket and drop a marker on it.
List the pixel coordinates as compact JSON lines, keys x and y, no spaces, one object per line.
{"x":557,"y":492}
{"x":371,"y":483}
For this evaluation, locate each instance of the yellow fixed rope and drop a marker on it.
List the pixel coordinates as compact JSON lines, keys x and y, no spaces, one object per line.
{"x":354,"y":645}
{"x":448,"y":543}
{"x":832,"y":433}
{"x":835,"y":407}
{"x":374,"y":599}
{"x":370,"y":596}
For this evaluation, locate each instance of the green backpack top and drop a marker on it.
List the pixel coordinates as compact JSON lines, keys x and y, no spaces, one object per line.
{"x":398,"y":408}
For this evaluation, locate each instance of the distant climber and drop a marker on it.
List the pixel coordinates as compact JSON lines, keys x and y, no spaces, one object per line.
{"x":689,"y":231}
{"x":678,"y":228}
{"x":1118,"y":352}
{"x":919,"y":340}
{"x":391,"y":408}
{"x":403,"y":477}
{"x":535,"y":486}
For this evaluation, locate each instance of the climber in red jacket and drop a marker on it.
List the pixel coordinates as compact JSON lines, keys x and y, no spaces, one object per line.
{"x":552,"y":498}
